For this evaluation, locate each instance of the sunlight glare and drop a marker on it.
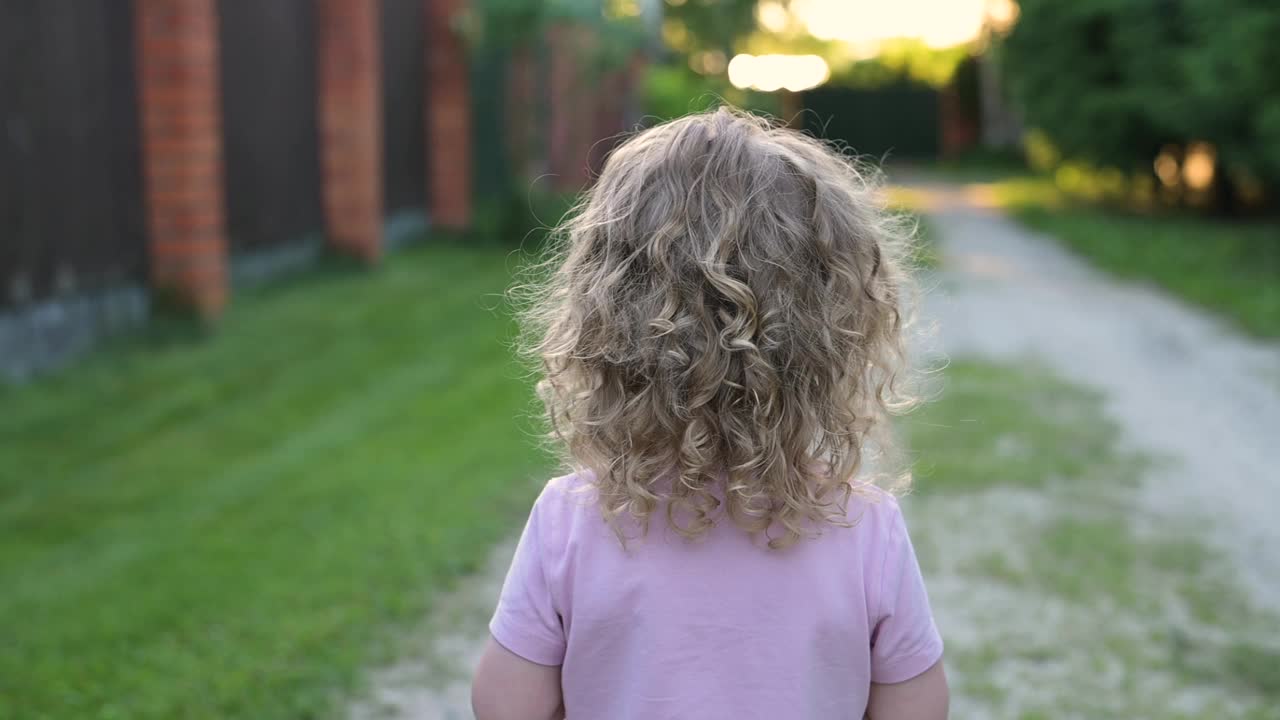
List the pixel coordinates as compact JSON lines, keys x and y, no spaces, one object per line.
{"x":868,"y":23}
{"x":772,"y":16}
{"x":1166,"y":167}
{"x":768,"y":73}
{"x":1198,"y":165}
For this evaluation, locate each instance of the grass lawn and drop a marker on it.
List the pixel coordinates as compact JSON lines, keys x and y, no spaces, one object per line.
{"x":235,"y":526}
{"x":1231,"y":267}
{"x":1058,"y":594}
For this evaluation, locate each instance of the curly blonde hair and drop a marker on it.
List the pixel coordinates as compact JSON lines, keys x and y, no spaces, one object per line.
{"x":719,"y":322}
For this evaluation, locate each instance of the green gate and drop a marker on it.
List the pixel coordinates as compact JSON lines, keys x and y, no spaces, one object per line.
{"x":894,"y":121}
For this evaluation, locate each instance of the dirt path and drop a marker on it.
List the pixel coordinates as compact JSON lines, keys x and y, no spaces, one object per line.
{"x":1184,"y":388}
{"x":1134,"y":624}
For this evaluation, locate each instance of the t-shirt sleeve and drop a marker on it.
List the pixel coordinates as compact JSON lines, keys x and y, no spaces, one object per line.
{"x":526,"y":621}
{"x":904,"y":639}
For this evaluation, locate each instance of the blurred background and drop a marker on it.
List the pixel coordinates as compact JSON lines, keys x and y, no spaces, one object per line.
{"x":263,"y":444}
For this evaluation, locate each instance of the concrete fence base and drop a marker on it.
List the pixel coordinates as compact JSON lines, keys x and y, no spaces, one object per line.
{"x":49,"y":334}
{"x":45,"y":336}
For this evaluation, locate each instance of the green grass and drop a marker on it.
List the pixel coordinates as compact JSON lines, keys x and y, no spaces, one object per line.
{"x":237,"y":525}
{"x":1231,"y":267}
{"x":1015,"y":425}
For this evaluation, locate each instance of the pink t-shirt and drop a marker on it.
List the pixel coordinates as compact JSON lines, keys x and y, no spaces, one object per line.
{"x":716,"y":628}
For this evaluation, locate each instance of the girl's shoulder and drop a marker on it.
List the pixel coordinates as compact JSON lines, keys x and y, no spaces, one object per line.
{"x":566,"y":502}
{"x":875,"y":516}
{"x":872,"y":503}
{"x":568,"y":493}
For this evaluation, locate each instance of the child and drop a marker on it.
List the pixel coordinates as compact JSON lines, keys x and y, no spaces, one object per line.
{"x":718,"y":335}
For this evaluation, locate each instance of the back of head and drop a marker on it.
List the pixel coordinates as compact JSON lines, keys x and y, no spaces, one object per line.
{"x":720,"y":324}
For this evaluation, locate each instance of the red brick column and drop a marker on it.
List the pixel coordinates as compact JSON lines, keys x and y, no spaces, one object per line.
{"x":448,"y":117}
{"x":350,"y":105}
{"x":180,"y":113}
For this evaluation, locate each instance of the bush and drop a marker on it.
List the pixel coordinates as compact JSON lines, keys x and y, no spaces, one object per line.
{"x":1097,"y":76}
{"x":1112,"y":82}
{"x":1233,"y":88}
{"x":672,"y":90}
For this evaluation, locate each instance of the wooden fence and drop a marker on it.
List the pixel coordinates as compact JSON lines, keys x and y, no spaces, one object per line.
{"x":270,"y":141}
{"x":71,"y":214}
{"x":404,"y":100}
{"x":142,"y":142}
{"x":899,"y":121}
{"x":71,"y":195}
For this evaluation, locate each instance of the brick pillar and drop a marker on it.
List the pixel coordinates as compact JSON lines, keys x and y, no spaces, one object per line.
{"x":180,"y":114}
{"x":448,"y":117}
{"x":350,"y":106}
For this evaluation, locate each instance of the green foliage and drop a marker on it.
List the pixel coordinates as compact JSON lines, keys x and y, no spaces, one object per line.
{"x":519,"y":216}
{"x":237,"y":526}
{"x":494,"y":25}
{"x":904,"y":59}
{"x":796,"y":42}
{"x":1096,"y":76}
{"x":1233,"y":93}
{"x":1112,"y":81}
{"x":672,"y":90}
{"x":710,"y":24}
{"x":503,"y":23}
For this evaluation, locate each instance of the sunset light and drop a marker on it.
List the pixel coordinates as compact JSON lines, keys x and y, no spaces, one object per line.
{"x":865,"y":24}
{"x":776,"y":72}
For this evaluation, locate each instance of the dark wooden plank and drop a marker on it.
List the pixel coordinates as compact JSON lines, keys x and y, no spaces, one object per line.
{"x":70,"y":188}
{"x":272,"y":166}
{"x":404,"y":98}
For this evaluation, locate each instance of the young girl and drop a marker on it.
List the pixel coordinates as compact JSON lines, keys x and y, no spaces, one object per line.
{"x":718,"y":334}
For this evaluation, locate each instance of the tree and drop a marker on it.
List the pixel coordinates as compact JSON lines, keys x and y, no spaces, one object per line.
{"x":1100,"y":77}
{"x":1114,"y":81}
{"x":711,"y":24}
{"x":1232,"y":68}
